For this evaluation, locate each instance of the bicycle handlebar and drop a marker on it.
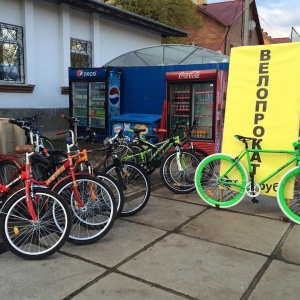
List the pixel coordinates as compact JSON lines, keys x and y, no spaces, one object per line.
{"x":71,"y":120}
{"x":27,"y":122}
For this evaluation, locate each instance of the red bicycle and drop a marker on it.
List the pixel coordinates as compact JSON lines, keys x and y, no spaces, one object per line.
{"x":35,"y":221}
{"x":91,"y":202}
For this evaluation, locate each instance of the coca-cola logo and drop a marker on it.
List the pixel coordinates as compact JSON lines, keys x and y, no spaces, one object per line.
{"x":189,"y":75}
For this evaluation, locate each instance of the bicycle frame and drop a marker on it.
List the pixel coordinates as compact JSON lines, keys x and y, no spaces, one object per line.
{"x":67,"y":165}
{"x":26,"y":177}
{"x":160,"y":149}
{"x":246,"y":153}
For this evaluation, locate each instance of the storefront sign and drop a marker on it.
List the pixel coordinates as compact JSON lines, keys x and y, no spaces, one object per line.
{"x":263,"y":101}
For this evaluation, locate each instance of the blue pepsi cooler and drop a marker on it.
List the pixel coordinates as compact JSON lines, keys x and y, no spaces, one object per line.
{"x":132,"y":120}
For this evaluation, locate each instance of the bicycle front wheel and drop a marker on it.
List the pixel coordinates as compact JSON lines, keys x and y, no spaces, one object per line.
{"x":135,"y":185}
{"x":179,"y":179}
{"x":288,"y":194}
{"x":220,"y":181}
{"x":35,"y":239}
{"x":95,"y":219}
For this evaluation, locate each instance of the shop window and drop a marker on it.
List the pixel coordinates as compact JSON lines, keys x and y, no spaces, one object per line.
{"x":11,"y":54}
{"x":81,"y":54}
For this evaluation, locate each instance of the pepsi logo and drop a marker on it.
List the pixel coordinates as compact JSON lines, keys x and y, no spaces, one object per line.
{"x":114,"y":95}
{"x":79,"y":73}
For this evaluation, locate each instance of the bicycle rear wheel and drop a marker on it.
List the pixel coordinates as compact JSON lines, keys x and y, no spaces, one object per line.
{"x":93,"y":221}
{"x":135,"y":185}
{"x":114,"y":187}
{"x":180,"y":182}
{"x":219,"y":181}
{"x":46,"y":142}
{"x":288,"y":194}
{"x":40,"y":239}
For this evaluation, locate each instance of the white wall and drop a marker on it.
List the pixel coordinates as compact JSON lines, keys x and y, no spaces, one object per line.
{"x":48,"y":28}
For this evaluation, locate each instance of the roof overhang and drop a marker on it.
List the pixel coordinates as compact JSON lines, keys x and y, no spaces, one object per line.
{"x":122,"y":16}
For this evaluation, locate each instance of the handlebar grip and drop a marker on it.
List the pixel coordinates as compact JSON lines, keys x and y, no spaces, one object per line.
{"x":62,"y":132}
{"x":65,"y":117}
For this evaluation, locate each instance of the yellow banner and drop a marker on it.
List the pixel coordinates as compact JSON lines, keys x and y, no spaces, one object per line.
{"x":263,"y":101}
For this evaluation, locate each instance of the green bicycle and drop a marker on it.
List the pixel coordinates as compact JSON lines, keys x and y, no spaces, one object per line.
{"x":222,"y":180}
{"x":177,"y":165}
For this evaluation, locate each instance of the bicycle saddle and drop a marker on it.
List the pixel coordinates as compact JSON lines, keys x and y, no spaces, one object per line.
{"x":244,"y":138}
{"x":138,"y":130}
{"x":21,"y":149}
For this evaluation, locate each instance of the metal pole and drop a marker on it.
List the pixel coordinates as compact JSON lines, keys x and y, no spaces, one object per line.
{"x":246,"y":24}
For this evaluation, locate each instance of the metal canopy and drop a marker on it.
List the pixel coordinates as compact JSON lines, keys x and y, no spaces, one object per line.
{"x":162,"y":55}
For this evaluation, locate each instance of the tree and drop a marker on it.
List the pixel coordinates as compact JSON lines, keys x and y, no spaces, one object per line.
{"x":180,"y":14}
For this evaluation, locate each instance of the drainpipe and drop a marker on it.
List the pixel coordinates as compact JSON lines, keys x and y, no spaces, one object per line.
{"x":246,"y":23}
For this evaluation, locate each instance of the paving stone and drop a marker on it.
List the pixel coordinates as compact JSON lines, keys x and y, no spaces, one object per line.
{"x":280,"y":281}
{"x":165,"y":213}
{"x":196,"y":268}
{"x":53,"y":278}
{"x":122,"y":241}
{"x":118,"y":287}
{"x":251,"y":233}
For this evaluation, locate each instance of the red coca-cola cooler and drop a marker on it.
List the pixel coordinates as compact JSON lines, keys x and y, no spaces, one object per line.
{"x":198,"y":96}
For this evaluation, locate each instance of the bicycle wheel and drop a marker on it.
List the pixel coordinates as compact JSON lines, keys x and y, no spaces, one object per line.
{"x":121,"y":150}
{"x":93,"y":221}
{"x":46,"y":142}
{"x":35,"y":239}
{"x":288,"y":194}
{"x":201,"y":154}
{"x":180,"y":182}
{"x":114,"y":187}
{"x":41,"y":168}
{"x":9,"y":171}
{"x":219,"y":181}
{"x":135,"y":184}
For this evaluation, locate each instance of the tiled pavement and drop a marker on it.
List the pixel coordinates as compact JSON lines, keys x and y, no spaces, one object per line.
{"x":175,"y":248}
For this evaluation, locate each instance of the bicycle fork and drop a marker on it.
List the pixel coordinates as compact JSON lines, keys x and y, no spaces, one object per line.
{"x":178,"y":160}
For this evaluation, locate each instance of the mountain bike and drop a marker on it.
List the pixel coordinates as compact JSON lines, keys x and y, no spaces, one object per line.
{"x":132,"y":182}
{"x":35,"y":222}
{"x":43,"y":146}
{"x":91,"y":202}
{"x":177,"y":167}
{"x":222,"y":180}
{"x":30,"y":126}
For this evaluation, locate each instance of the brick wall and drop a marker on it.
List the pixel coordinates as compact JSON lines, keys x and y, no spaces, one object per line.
{"x":215,"y":36}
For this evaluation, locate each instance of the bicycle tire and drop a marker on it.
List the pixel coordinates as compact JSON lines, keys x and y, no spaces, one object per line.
{"x":38,"y":240}
{"x":135,"y":184}
{"x":176,"y":181}
{"x":9,"y":171}
{"x":41,"y":167}
{"x":208,"y":181}
{"x":46,"y":142}
{"x":121,"y":150}
{"x":288,"y":194}
{"x":97,"y":217}
{"x":114,"y":187}
{"x":200,"y":153}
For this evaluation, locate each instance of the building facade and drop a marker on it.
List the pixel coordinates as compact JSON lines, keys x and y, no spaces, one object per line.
{"x":223,"y":26}
{"x":39,"y":40}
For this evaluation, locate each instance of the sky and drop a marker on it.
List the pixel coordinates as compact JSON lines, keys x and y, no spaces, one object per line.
{"x":277,"y":17}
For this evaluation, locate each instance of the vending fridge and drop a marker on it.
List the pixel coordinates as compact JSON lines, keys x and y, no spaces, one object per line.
{"x":198,"y":97}
{"x":94,"y":98}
